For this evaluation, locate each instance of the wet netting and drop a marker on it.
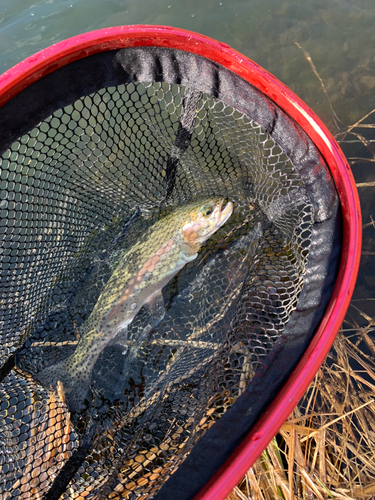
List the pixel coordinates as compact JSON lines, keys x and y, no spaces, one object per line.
{"x":98,"y":159}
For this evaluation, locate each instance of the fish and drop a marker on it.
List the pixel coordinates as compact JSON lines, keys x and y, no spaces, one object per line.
{"x":137,"y":281}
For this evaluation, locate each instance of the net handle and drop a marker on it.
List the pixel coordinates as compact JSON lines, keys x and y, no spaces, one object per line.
{"x":16,"y":79}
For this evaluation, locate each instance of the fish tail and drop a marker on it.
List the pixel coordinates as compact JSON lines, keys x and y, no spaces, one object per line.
{"x":76,"y":390}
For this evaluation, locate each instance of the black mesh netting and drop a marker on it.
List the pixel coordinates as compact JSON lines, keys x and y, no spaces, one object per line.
{"x":92,"y":156}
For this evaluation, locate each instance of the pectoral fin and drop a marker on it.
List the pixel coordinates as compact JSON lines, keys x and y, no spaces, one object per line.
{"x":189,"y":258}
{"x":155,"y":305}
{"x":122,"y":338}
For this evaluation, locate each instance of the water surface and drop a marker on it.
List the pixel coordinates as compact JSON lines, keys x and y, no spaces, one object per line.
{"x":338,"y":34}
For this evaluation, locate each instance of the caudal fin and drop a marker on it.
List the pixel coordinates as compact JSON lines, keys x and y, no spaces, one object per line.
{"x":75,"y":391}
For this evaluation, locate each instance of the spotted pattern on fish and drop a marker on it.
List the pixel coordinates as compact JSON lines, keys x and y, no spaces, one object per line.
{"x":137,"y":280}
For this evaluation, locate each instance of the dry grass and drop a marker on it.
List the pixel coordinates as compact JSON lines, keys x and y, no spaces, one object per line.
{"x":326,"y":449}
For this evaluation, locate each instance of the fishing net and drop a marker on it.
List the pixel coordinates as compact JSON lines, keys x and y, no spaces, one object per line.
{"x":92,"y":155}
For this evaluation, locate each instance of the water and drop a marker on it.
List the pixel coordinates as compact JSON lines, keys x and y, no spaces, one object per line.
{"x":338,"y":35}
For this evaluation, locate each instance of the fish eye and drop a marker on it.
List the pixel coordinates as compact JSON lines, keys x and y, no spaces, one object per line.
{"x":207,"y":210}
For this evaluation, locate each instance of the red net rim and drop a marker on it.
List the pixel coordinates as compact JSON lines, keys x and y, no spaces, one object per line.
{"x":50,"y":59}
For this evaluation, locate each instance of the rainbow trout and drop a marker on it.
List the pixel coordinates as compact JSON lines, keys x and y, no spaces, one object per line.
{"x":137,"y":281}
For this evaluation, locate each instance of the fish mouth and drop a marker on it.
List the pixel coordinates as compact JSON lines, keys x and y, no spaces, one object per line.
{"x":225,"y":212}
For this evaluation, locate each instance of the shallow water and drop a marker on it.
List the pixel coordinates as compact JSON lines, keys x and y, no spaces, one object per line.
{"x":338,"y":34}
